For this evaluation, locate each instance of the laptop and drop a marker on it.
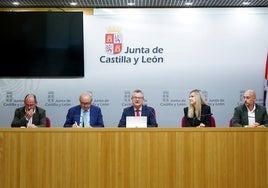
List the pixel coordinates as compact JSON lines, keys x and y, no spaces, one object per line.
{"x":136,"y":121}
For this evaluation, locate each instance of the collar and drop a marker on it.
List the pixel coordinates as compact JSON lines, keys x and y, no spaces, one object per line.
{"x":254,"y":108}
{"x":137,"y":109}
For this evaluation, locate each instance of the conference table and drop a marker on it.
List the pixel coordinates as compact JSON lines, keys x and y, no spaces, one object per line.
{"x":134,"y":157}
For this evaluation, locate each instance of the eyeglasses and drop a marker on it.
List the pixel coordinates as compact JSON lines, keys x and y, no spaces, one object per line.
{"x":137,"y":98}
{"x":85,"y":103}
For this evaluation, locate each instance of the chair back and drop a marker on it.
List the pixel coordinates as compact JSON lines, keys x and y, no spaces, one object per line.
{"x":212,"y":121}
{"x":183,"y":123}
{"x":153,"y":110}
{"x":231,"y":122}
{"x":48,"y":122}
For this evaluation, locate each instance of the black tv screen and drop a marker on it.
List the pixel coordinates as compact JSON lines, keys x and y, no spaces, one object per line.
{"x":41,"y":44}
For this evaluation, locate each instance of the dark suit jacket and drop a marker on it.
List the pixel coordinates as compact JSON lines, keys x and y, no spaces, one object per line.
{"x":205,"y":117}
{"x":74,"y":115}
{"x":146,"y":111}
{"x":240,"y":117}
{"x":39,"y":117}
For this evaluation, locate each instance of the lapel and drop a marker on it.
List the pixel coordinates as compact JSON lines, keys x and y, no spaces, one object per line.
{"x":245,"y":116}
{"x":257,"y":118}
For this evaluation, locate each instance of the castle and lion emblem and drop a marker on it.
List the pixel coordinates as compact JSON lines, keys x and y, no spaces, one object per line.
{"x":113,"y":40}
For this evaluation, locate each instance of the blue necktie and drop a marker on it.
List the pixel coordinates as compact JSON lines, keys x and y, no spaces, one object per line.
{"x":85,"y":118}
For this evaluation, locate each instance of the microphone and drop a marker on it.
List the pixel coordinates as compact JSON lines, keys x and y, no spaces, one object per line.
{"x":207,"y":114}
{"x":83,"y":124}
{"x":82,"y":121}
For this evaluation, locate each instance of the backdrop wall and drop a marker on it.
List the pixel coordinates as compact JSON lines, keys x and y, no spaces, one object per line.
{"x":164,"y":52}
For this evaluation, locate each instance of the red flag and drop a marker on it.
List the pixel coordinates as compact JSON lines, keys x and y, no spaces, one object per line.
{"x":265,"y":98}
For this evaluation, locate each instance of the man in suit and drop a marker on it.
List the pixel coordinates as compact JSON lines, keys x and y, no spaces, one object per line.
{"x":85,"y":114}
{"x":250,"y":114}
{"x":30,"y":115}
{"x":138,"y":109}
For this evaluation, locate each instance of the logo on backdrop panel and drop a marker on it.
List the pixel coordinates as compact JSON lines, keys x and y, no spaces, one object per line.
{"x":53,"y":101}
{"x":169,"y":101}
{"x":129,"y":55}
{"x":11,"y":101}
{"x":113,"y":40}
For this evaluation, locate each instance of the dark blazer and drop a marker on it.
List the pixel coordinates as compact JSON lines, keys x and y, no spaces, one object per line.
{"x":146,"y":111}
{"x":39,"y":117}
{"x":74,"y":115}
{"x":240,"y":117}
{"x":205,"y":117}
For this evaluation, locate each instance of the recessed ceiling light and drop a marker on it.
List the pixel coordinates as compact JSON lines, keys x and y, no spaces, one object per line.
{"x":188,"y":4}
{"x":73,"y":3}
{"x":15,"y":3}
{"x":131,"y":3}
{"x":246,"y":3}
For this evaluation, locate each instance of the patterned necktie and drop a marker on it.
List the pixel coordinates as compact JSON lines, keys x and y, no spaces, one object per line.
{"x":137,"y":112}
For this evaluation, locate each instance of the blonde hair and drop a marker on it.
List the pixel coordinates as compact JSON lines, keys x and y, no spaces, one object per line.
{"x":197,"y":108}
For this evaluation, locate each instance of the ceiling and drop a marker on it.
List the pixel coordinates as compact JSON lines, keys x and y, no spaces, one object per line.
{"x":135,"y":3}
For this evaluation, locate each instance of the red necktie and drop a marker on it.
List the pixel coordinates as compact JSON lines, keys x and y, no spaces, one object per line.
{"x":137,"y":112}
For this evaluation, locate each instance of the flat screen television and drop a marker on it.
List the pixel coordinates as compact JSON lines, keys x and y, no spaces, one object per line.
{"x":41,"y":44}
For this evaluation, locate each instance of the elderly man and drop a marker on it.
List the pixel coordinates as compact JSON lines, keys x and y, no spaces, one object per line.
{"x":30,"y":115}
{"x":84,"y":115}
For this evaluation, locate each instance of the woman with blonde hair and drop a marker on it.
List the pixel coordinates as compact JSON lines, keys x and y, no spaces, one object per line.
{"x":198,"y":113}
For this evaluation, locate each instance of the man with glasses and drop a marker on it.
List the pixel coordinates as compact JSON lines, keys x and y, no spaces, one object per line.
{"x":250,"y":114}
{"x":138,"y":109}
{"x":30,"y":115}
{"x":84,"y":115}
